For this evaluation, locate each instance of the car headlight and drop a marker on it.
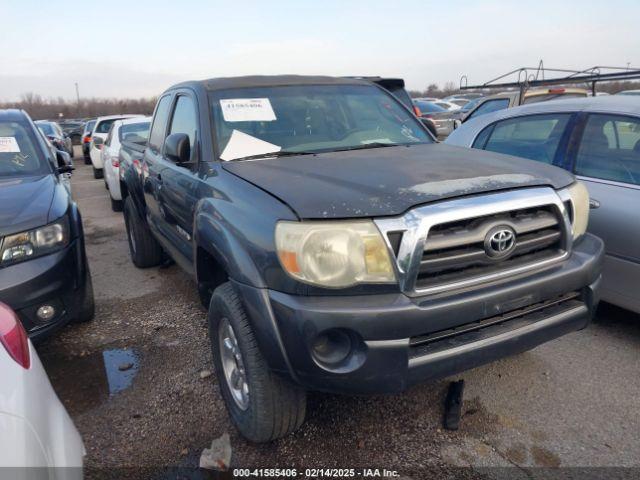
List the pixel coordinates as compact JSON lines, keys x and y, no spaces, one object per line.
{"x":334,"y":253}
{"x":579,"y":197}
{"x":36,"y":242}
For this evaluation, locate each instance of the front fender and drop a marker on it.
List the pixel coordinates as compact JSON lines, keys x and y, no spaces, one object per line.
{"x":215,"y":237}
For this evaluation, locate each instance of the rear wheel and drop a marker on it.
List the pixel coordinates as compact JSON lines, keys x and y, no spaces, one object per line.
{"x":262,"y":405}
{"x":145,"y":250}
{"x":87,"y":160}
{"x":116,"y":205}
{"x":97,"y":173}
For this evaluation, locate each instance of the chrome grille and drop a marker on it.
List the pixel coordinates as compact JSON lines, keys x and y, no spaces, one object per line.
{"x":456,"y":250}
{"x":441,"y":246}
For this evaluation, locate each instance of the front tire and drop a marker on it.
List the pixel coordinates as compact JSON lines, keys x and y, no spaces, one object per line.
{"x":262,"y":406}
{"x":144,"y":249}
{"x":88,"y":308}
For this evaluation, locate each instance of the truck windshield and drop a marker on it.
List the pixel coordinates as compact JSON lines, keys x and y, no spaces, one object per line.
{"x":19,"y":153}
{"x":310,"y":119}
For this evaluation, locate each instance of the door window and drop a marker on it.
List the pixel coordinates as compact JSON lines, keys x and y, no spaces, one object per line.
{"x":610,"y":149}
{"x":535,"y":137}
{"x":184,"y":119}
{"x":156,"y":137}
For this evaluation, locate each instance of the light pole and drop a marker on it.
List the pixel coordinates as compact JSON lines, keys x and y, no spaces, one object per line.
{"x":77,"y":94}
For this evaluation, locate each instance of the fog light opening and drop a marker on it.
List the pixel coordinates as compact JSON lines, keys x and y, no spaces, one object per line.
{"x":46,"y":312}
{"x":332,"y":347}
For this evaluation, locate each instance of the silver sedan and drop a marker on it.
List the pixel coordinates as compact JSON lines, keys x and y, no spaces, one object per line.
{"x":598,"y":139}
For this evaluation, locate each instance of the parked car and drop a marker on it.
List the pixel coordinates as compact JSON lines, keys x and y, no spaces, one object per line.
{"x":598,"y":139}
{"x":135,"y":130}
{"x":98,"y":136}
{"x":450,"y":106}
{"x":467,"y":96}
{"x":38,"y":438}
{"x":73,"y":129}
{"x":441,"y":117}
{"x":512,"y":99}
{"x":461,"y":102}
{"x":86,"y":140}
{"x":56,"y":136}
{"x":338,"y":247}
{"x":44,"y":274}
{"x":629,"y":92}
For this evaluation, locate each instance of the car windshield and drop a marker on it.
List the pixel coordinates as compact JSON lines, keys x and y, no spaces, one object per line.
{"x":89,"y":126}
{"x":134,"y":132}
{"x":47,"y":129}
{"x":19,"y":152}
{"x":310,"y":119}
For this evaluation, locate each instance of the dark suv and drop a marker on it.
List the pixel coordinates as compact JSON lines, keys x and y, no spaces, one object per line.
{"x":337,"y":247}
{"x":44,"y":275}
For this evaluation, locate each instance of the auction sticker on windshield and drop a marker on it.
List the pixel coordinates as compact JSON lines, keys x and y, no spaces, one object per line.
{"x":247,"y":110}
{"x":9,"y":145}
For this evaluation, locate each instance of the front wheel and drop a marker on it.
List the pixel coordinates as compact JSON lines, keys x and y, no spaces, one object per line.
{"x":262,"y":406}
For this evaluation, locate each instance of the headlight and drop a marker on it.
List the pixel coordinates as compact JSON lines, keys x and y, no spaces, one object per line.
{"x":579,"y":197}
{"x":334,"y":253}
{"x":33,"y":243}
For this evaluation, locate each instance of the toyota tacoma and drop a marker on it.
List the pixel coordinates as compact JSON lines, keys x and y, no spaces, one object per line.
{"x":339,"y":248}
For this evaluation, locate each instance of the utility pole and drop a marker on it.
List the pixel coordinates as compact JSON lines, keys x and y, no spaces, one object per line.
{"x":77,"y":95}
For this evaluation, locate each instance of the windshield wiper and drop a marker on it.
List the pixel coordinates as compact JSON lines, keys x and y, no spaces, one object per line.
{"x":281,"y":153}
{"x":365,"y":146}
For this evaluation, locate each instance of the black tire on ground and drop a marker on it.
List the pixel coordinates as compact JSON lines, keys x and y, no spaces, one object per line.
{"x":144,"y":249}
{"x":87,"y":160}
{"x":87,"y":310}
{"x":275,"y":407}
{"x":116,"y":205}
{"x":97,"y":173}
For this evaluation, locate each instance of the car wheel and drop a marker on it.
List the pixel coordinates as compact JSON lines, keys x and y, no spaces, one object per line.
{"x":97,"y":173}
{"x":87,"y":310}
{"x":262,"y":405}
{"x":116,"y":205}
{"x":87,"y":160}
{"x":144,"y":249}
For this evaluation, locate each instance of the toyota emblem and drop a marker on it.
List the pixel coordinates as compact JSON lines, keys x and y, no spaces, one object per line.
{"x":500,"y":242}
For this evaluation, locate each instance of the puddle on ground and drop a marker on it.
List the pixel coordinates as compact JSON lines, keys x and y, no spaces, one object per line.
{"x":121,"y":367}
{"x":86,"y":381}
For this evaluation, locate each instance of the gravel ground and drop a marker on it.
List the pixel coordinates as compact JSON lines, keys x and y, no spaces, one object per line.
{"x":573,"y":402}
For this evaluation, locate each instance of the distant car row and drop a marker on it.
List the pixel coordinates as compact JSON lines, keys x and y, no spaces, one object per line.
{"x":449,"y":112}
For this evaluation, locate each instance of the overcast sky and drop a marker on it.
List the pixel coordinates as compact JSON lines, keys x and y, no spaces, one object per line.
{"x":134,"y":48}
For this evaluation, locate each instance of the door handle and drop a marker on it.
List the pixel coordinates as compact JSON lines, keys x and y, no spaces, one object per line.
{"x":593,"y":203}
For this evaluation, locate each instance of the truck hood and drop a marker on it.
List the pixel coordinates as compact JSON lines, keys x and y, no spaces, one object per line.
{"x":25,"y":203}
{"x":388,"y":181}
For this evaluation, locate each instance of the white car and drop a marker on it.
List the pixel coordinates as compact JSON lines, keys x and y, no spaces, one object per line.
{"x":98,"y":136}
{"x":135,"y":130}
{"x":37,"y":436}
{"x":452,"y":107}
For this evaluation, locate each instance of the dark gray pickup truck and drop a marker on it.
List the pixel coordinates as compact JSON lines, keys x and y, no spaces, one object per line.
{"x":337,"y":247}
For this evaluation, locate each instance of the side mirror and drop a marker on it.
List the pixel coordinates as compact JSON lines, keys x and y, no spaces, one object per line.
{"x":65,"y":164}
{"x":177,"y":148}
{"x":98,"y":141}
